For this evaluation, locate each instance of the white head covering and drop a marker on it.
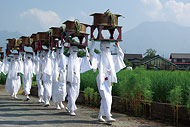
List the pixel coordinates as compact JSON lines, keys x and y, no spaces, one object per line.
{"x":73,"y":51}
{"x":106,"y":62}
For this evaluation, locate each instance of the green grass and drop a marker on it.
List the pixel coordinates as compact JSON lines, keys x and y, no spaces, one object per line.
{"x":151,"y":85}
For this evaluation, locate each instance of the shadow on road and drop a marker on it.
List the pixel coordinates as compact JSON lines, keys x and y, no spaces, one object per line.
{"x":52,"y":122}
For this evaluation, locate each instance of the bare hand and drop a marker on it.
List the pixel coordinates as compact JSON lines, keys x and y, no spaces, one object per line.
{"x":117,"y":44}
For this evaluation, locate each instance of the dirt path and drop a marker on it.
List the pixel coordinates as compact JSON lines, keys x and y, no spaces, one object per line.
{"x":18,"y":113}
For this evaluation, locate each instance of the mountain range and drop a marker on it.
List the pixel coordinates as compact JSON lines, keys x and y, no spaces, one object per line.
{"x":164,"y":37}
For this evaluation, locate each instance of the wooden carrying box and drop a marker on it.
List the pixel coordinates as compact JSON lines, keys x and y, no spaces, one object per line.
{"x":42,"y":36}
{"x":104,"y":19}
{"x":25,"y":40}
{"x":56,"y":32}
{"x":11,"y":42}
{"x":34,"y":37}
{"x":1,"y":49}
{"x":70,"y":26}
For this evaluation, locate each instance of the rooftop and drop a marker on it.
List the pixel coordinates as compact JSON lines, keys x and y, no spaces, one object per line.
{"x":180,"y":55}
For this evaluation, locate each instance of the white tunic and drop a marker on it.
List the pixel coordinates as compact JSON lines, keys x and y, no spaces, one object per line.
{"x":27,"y":76}
{"x":108,"y":66}
{"x":13,"y":81}
{"x":76,"y":66}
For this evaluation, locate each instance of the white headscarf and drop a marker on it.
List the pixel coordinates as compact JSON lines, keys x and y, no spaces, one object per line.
{"x":73,"y":66}
{"x":106,"y":59}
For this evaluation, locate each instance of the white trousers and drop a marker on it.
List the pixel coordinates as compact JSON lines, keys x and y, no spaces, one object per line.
{"x":73,"y":93}
{"x":58,"y":92}
{"x":106,"y":98}
{"x":40,"y":86}
{"x":47,"y":83}
{"x":27,"y":85}
{"x":13,"y":85}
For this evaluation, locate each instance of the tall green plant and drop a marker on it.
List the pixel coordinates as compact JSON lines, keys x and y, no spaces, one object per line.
{"x":175,"y":98}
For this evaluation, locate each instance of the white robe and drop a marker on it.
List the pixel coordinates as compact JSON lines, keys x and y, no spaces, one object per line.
{"x":13,"y":82}
{"x":108,"y":67}
{"x":76,"y":66}
{"x":27,"y":76}
{"x":47,"y":70}
{"x":38,"y":72}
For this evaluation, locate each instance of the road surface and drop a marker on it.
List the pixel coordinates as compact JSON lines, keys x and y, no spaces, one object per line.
{"x":20,"y":113}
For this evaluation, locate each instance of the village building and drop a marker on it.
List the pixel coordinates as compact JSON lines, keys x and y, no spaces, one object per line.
{"x":134,"y":59}
{"x":159,"y":63}
{"x":182,"y":60}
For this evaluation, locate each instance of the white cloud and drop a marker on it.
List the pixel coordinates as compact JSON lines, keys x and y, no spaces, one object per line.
{"x":170,"y":10}
{"x":84,"y":14}
{"x":45,"y":18}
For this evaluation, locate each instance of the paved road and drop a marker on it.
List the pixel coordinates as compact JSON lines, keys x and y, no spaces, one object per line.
{"x":18,"y":113}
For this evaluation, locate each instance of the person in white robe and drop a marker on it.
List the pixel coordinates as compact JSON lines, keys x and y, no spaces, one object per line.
{"x":13,"y":82}
{"x":47,"y":70}
{"x":57,"y":88}
{"x":5,"y":65}
{"x":108,"y":65}
{"x":38,"y":71}
{"x":76,"y":66}
{"x":28,"y":74}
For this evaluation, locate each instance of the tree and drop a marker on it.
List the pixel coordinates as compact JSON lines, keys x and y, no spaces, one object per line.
{"x":149,"y":53}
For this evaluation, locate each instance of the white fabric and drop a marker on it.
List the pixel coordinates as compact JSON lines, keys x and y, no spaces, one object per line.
{"x":27,"y":76}
{"x":13,"y":82}
{"x":59,"y":87}
{"x":5,"y":66}
{"x":37,"y":71}
{"x":48,"y":66}
{"x":76,"y":66}
{"x":47,"y":69}
{"x":108,"y":66}
{"x":40,"y":86}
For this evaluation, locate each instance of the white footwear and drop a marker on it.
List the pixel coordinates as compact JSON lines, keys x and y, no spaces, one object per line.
{"x":27,"y":98}
{"x":100,"y":118}
{"x":57,"y":106}
{"x":12,"y":95}
{"x":67,"y":109}
{"x":40,"y":100}
{"x":61,"y":105}
{"x":110,"y":119}
{"x":72,"y":113}
{"x":15,"y":97}
{"x":46,"y":104}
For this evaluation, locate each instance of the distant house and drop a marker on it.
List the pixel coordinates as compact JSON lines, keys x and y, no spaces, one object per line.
{"x":135,"y":59}
{"x":159,"y":63}
{"x":182,"y":60}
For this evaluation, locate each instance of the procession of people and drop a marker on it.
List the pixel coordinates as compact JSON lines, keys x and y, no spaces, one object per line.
{"x":57,"y":74}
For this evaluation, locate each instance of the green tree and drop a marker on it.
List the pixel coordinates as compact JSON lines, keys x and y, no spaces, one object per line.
{"x":149,"y":53}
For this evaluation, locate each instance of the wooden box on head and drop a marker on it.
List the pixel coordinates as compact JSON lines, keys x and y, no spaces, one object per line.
{"x":106,"y":21}
{"x":76,"y":29}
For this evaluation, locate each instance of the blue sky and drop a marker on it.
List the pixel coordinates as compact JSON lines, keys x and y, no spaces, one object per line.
{"x":30,"y":16}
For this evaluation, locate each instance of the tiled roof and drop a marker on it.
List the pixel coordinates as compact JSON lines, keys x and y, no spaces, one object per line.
{"x":133,"y":56}
{"x":180,"y":55}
